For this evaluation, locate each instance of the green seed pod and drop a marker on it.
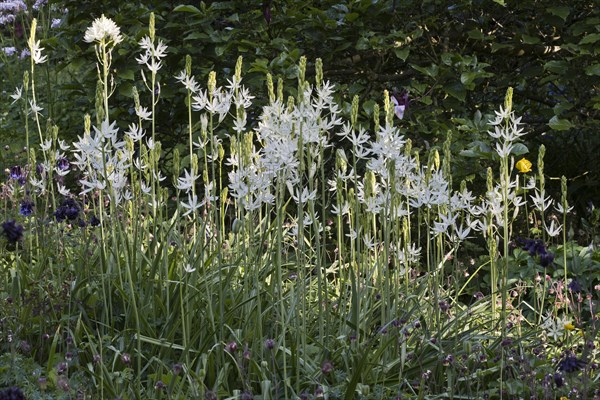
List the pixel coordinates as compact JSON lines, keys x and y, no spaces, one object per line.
{"x":319,"y":72}
{"x":302,"y":70}
{"x":212,"y":83}
{"x":270,"y":88}
{"x":280,"y":89}
{"x":341,"y":162}
{"x":508,"y":99}
{"x":370,"y":183}
{"x":238,"y":68}
{"x":376,"y":116}
{"x":354,"y":112}
{"x":99,"y":106}
{"x":490,"y":180}
{"x":26,"y":81}
{"x":152,"y":27}
{"x":176,"y":162}
{"x":188,"y":65}
{"x":387,"y":106}
{"x":87,"y":124}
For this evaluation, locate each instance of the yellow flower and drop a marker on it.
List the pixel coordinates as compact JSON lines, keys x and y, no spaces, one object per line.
{"x":569,"y":326}
{"x":523,"y":165}
{"x":564,"y":398}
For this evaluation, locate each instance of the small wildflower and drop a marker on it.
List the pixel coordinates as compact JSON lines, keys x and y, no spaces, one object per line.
{"x":177,"y":369}
{"x":326,"y":368}
{"x":246,"y":395}
{"x":231,"y":347}
{"x":269,"y":344}
{"x":569,"y":326}
{"x":43,"y":382}
{"x":126,"y":358}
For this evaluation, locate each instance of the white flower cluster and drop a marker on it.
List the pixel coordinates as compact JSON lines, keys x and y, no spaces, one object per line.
{"x":103,"y":30}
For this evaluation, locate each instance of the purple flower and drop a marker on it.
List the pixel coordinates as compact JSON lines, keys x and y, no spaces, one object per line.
{"x":400,"y":103}
{"x":12,"y":231}
{"x":16,"y":172}
{"x":26,"y":208}
{"x":94,"y":221}
{"x":12,"y":393}
{"x":575,"y":286}
{"x":269,"y":344}
{"x":9,"y":51}
{"x":67,"y":210}
{"x":39,"y":3}
{"x":571,"y":364}
{"x":62,"y":164}
{"x":546,"y":259}
{"x":126,"y":358}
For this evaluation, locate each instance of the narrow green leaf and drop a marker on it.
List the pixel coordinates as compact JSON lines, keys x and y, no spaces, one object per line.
{"x":591,"y":38}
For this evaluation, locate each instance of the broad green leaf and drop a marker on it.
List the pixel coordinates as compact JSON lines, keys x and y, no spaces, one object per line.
{"x":475,"y":34}
{"x":560,"y":124}
{"x":531,"y":39}
{"x":519,"y":149}
{"x":187,"y":8}
{"x":556,"y":66}
{"x":593,"y":69}
{"x":456,"y":90}
{"x":560,"y":11}
{"x":431,"y":71}
{"x":402,"y":53}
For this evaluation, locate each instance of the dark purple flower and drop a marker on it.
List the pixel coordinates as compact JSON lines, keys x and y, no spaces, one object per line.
{"x":26,"y":208}
{"x":12,"y":231}
{"x":246,"y":395}
{"x":67,"y":210}
{"x":177,"y":368}
{"x":16,"y":172}
{"x":62,"y":164}
{"x":231,"y":347}
{"x":126,"y":358}
{"x":571,"y":364}
{"x":326,"y":368}
{"x":94,"y":221}
{"x":266,"y":8}
{"x":12,"y":393}
{"x":575,"y":286}
{"x":546,"y":259}
{"x":269,"y":344}
{"x":558,"y":380}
